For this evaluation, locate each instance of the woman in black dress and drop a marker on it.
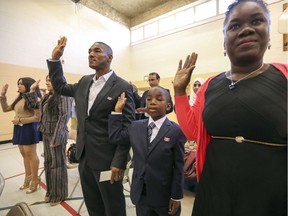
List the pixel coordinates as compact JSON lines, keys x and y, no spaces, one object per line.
{"x":240,"y":122}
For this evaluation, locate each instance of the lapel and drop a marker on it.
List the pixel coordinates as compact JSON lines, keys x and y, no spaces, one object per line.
{"x":103,"y":93}
{"x":166,"y":126}
{"x":143,"y":140}
{"x":44,"y":100}
{"x":86,"y":89}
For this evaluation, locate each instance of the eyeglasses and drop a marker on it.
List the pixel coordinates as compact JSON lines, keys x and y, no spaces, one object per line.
{"x":196,"y":84}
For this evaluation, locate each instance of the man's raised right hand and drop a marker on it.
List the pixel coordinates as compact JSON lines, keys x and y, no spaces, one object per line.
{"x":59,"y":49}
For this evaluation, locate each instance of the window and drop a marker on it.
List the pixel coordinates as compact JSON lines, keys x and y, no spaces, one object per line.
{"x":150,"y":30}
{"x":184,"y":18}
{"x":137,"y":35}
{"x":205,"y":10}
{"x":166,"y":24}
{"x":223,"y":5}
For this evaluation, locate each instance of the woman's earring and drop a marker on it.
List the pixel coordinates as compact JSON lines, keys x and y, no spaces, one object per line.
{"x":269,"y":46}
{"x":225,"y":53}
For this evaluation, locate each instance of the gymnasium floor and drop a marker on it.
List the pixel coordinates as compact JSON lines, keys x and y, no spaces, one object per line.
{"x":12,"y":169}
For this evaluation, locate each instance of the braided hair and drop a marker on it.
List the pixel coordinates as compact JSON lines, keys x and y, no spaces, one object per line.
{"x":237,"y":2}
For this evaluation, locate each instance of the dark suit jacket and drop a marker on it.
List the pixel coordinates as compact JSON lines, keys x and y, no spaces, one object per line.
{"x":160,"y":169}
{"x":92,"y":129}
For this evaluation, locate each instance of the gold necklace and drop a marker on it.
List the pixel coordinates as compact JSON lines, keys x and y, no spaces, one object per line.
{"x":233,"y":84}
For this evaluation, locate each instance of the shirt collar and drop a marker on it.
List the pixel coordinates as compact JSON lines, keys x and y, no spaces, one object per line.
{"x":159,"y":122}
{"x":105,"y":76}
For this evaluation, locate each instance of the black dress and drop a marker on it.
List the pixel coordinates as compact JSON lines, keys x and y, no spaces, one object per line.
{"x":245,"y":179}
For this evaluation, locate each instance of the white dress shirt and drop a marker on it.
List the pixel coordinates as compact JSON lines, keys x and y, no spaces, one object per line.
{"x":96,"y":87}
{"x":156,"y":129}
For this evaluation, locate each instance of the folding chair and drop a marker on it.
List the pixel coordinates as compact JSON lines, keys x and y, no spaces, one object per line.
{"x":20,"y":209}
{"x":72,"y":166}
{"x":126,"y":177}
{"x":2,"y":183}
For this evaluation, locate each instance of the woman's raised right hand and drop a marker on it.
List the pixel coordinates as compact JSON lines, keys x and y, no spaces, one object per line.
{"x":34,"y":85}
{"x":183,"y":74}
{"x":4,"y":90}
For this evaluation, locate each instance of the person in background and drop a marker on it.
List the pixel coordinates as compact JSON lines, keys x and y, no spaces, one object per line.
{"x":239,"y":120}
{"x":55,"y":114}
{"x":136,"y":96}
{"x":95,"y":97}
{"x":73,"y":116}
{"x":156,"y":185}
{"x":191,"y":145}
{"x":25,"y":133}
{"x":195,"y":85}
{"x":73,"y":129}
{"x":154,"y":80}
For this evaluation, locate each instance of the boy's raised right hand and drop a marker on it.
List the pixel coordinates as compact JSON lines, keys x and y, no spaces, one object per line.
{"x":120,"y":103}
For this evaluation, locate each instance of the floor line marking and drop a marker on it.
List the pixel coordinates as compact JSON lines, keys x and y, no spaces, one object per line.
{"x":64,"y":204}
{"x":19,"y":174}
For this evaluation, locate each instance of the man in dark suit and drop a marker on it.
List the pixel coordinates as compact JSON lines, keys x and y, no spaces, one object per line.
{"x":158,"y":155}
{"x":154,"y":80}
{"x":95,"y":97}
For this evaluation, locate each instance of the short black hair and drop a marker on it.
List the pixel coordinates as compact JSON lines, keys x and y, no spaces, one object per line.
{"x":165,"y":92}
{"x":237,"y":2}
{"x":108,"y":48}
{"x":156,"y":74}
